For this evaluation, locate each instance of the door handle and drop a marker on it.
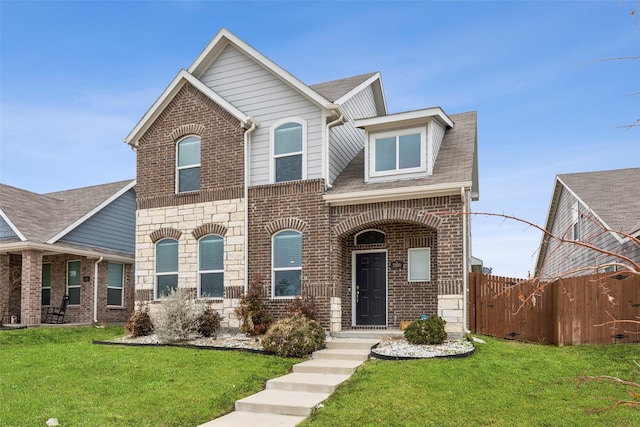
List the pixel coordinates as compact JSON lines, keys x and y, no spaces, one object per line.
{"x":357,"y":293}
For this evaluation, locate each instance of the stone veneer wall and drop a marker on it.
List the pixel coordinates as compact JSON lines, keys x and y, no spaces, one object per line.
{"x":224,"y":215}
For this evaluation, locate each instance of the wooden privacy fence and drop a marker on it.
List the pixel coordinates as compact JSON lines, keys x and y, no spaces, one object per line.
{"x":569,"y":311}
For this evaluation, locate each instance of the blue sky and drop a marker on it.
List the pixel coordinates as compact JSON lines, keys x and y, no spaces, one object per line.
{"x":75,"y":77}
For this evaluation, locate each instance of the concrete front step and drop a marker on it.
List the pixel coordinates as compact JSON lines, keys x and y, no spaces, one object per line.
{"x":341,"y":354}
{"x":253,"y":419}
{"x":297,"y":403}
{"x":327,"y":366}
{"x":352,"y":343}
{"x":313,"y":383}
{"x":377,"y":334}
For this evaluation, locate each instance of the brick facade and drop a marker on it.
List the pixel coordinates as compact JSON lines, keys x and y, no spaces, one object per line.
{"x":327,"y":232}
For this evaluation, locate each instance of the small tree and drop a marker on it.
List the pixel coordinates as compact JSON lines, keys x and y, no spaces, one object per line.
{"x":252,"y":311}
{"x":15,"y":281}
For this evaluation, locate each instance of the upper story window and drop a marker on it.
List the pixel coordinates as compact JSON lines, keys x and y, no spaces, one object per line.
{"x":288,"y":151}
{"x":166,"y":267}
{"x":287,"y":263}
{"x":211,"y":267}
{"x":575,"y":222}
{"x":397,"y":152}
{"x":188,"y":164}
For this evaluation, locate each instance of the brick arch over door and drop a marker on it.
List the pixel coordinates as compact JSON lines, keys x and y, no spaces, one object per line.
{"x":386,"y":216}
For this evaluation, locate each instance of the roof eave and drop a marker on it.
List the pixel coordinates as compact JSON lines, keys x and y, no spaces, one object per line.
{"x":168,"y":94}
{"x":406,"y":118}
{"x":92,"y":253}
{"x":224,"y":37}
{"x":393,"y":194}
{"x":12,"y":226}
{"x":91,"y":213}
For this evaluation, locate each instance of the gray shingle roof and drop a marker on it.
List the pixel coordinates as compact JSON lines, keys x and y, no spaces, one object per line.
{"x":336,"y":88}
{"x":614,"y":195}
{"x":454,"y":164}
{"x":41,"y":216}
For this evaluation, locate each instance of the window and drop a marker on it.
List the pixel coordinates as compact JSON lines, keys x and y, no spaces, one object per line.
{"x":211,"y":267}
{"x":46,"y":284}
{"x":188,"y":169}
{"x":166,"y":267}
{"x":419,"y":265}
{"x":115,"y":284}
{"x":73,"y":282}
{"x":370,"y":237}
{"x":287,"y":264}
{"x":397,"y":152}
{"x":288,"y":143}
{"x":575,"y":220}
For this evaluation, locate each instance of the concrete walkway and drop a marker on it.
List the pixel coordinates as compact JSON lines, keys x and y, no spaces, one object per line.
{"x":289,"y":399}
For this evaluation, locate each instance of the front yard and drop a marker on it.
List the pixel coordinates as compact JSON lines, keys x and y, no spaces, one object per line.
{"x":57,"y":372}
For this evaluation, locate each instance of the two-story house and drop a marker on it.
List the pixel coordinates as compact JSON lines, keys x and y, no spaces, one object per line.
{"x":599,"y":209}
{"x":245,"y":172}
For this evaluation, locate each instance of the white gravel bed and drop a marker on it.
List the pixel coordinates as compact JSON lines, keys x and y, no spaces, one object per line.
{"x":401,"y":348}
{"x":223,"y":340}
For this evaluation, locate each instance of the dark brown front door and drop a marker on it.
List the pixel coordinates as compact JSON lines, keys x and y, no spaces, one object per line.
{"x":371,"y":289}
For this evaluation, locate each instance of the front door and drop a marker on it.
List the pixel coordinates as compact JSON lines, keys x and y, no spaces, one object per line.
{"x":371,"y":289}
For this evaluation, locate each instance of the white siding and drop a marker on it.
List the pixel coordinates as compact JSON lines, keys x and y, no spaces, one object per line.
{"x":346,"y":141}
{"x":436,"y":135}
{"x":260,"y":94}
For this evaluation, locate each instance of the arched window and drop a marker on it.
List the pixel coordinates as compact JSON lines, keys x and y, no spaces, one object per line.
{"x":166,"y":267}
{"x":211,"y":267}
{"x":288,"y":149}
{"x":370,"y":237}
{"x":287,"y":263}
{"x":188,"y":164}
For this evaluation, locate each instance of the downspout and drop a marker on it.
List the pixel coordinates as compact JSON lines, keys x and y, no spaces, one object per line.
{"x":95,"y":289}
{"x":340,"y":119}
{"x":247,"y":134}
{"x":467,"y":258}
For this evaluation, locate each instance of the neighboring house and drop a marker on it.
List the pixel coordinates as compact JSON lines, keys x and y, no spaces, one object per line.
{"x":598,"y":208}
{"x":247,"y":174}
{"x":77,"y":242}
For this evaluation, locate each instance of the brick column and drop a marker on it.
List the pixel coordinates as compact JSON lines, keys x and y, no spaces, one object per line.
{"x":5,"y":287}
{"x":30,"y":303}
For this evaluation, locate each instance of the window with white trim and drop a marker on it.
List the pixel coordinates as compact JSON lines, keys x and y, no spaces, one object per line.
{"x":419,"y":265}
{"x":287,"y":264}
{"x":46,"y":284}
{"x":398,"y":152}
{"x":166,"y":267}
{"x":288,"y":150}
{"x":211,"y":267}
{"x":115,"y":284}
{"x":188,"y":164}
{"x":73,"y":281}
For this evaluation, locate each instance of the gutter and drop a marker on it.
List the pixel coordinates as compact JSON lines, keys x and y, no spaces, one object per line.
{"x":391,"y":194}
{"x":247,"y":134}
{"x":95,"y":289}
{"x":466,"y":240}
{"x":340,"y":120}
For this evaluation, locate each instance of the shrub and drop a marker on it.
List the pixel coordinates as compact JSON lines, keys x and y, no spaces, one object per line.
{"x":252,"y":311}
{"x":429,"y":331}
{"x":139,"y":324}
{"x":208,"y":322}
{"x":177,"y":317}
{"x":295,"y":336}
{"x":304,"y":305}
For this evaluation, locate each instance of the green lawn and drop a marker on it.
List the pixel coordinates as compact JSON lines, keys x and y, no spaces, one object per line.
{"x":58,"y":373}
{"x":505,"y":383}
